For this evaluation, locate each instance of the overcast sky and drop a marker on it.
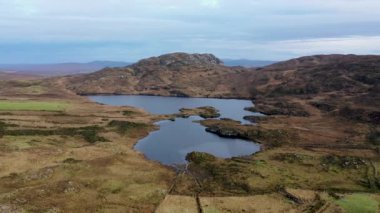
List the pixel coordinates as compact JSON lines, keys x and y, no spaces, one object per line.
{"x":50,"y":31}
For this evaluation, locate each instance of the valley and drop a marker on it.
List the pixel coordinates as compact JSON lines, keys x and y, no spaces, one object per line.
{"x":60,"y":151}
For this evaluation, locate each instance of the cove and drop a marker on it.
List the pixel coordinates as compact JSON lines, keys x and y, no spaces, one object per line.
{"x":170,"y":144}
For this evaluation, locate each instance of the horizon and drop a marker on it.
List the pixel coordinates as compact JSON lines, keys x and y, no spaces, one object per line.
{"x":132,"y":62}
{"x":118,"y":61}
{"x":46,"y":32}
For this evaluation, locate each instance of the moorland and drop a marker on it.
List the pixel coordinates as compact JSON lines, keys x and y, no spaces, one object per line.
{"x":60,"y":152}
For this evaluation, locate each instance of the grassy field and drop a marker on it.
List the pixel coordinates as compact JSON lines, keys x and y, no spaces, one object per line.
{"x":359,"y":203}
{"x":76,"y":161}
{"x":32,"y":106}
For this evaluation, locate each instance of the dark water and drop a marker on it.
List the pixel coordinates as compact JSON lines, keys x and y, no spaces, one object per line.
{"x":174,"y":140}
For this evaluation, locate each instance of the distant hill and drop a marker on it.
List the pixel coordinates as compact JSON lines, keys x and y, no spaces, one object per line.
{"x":61,"y":68}
{"x":6,"y":76}
{"x":247,"y":63}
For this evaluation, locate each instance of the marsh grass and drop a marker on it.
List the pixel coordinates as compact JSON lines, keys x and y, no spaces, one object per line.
{"x":89,"y":133}
{"x":359,"y":203}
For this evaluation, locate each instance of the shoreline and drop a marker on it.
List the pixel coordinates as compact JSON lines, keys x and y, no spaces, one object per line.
{"x":169,"y":96}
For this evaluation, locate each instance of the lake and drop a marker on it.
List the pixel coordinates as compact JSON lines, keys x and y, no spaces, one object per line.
{"x":170,"y":144}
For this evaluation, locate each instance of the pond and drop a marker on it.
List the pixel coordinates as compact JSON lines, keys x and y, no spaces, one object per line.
{"x":170,"y":144}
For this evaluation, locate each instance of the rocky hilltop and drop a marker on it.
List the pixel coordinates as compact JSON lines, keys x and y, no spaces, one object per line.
{"x":178,"y":60}
{"x":177,"y":74}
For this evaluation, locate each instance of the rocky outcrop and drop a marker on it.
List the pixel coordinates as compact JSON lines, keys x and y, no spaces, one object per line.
{"x":177,"y":60}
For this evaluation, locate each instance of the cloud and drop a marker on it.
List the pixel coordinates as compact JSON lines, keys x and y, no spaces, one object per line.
{"x":265,"y":29}
{"x":285,"y":49}
{"x":344,"y":45}
{"x":210,"y":3}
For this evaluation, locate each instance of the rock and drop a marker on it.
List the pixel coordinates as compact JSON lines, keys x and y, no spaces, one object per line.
{"x":44,"y":173}
{"x":69,"y":187}
{"x":344,"y":162}
{"x":176,"y":60}
{"x":300,"y":196}
{"x":8,"y":209}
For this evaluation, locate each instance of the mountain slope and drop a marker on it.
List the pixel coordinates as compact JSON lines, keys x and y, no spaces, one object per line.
{"x":346,"y":85}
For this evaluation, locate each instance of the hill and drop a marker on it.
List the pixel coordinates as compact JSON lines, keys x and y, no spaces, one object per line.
{"x":177,"y":74}
{"x":6,"y":76}
{"x":331,"y":83}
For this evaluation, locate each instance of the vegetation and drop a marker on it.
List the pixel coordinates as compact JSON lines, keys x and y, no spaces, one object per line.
{"x":199,"y":157}
{"x":285,"y":90}
{"x":204,"y":112}
{"x":373,"y":136}
{"x":127,"y":127}
{"x":56,"y":159}
{"x":323,"y":106}
{"x":359,"y":203}
{"x":46,"y":166}
{"x":2,"y":128}
{"x":32,"y":106}
{"x":343,"y":162}
{"x":272,"y":171}
{"x":292,"y":157}
{"x":128,"y":112}
{"x":90,"y":133}
{"x":71,"y":160}
{"x":281,"y":107}
{"x":232,"y":129}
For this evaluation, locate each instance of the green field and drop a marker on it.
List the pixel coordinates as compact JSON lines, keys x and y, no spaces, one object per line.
{"x":359,"y":203}
{"x":32,"y":106}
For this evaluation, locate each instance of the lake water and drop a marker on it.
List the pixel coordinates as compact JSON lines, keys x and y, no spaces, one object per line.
{"x":228,"y":108}
{"x":170,"y":144}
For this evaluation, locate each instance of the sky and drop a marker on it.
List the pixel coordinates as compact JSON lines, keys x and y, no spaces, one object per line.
{"x":54,"y":31}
